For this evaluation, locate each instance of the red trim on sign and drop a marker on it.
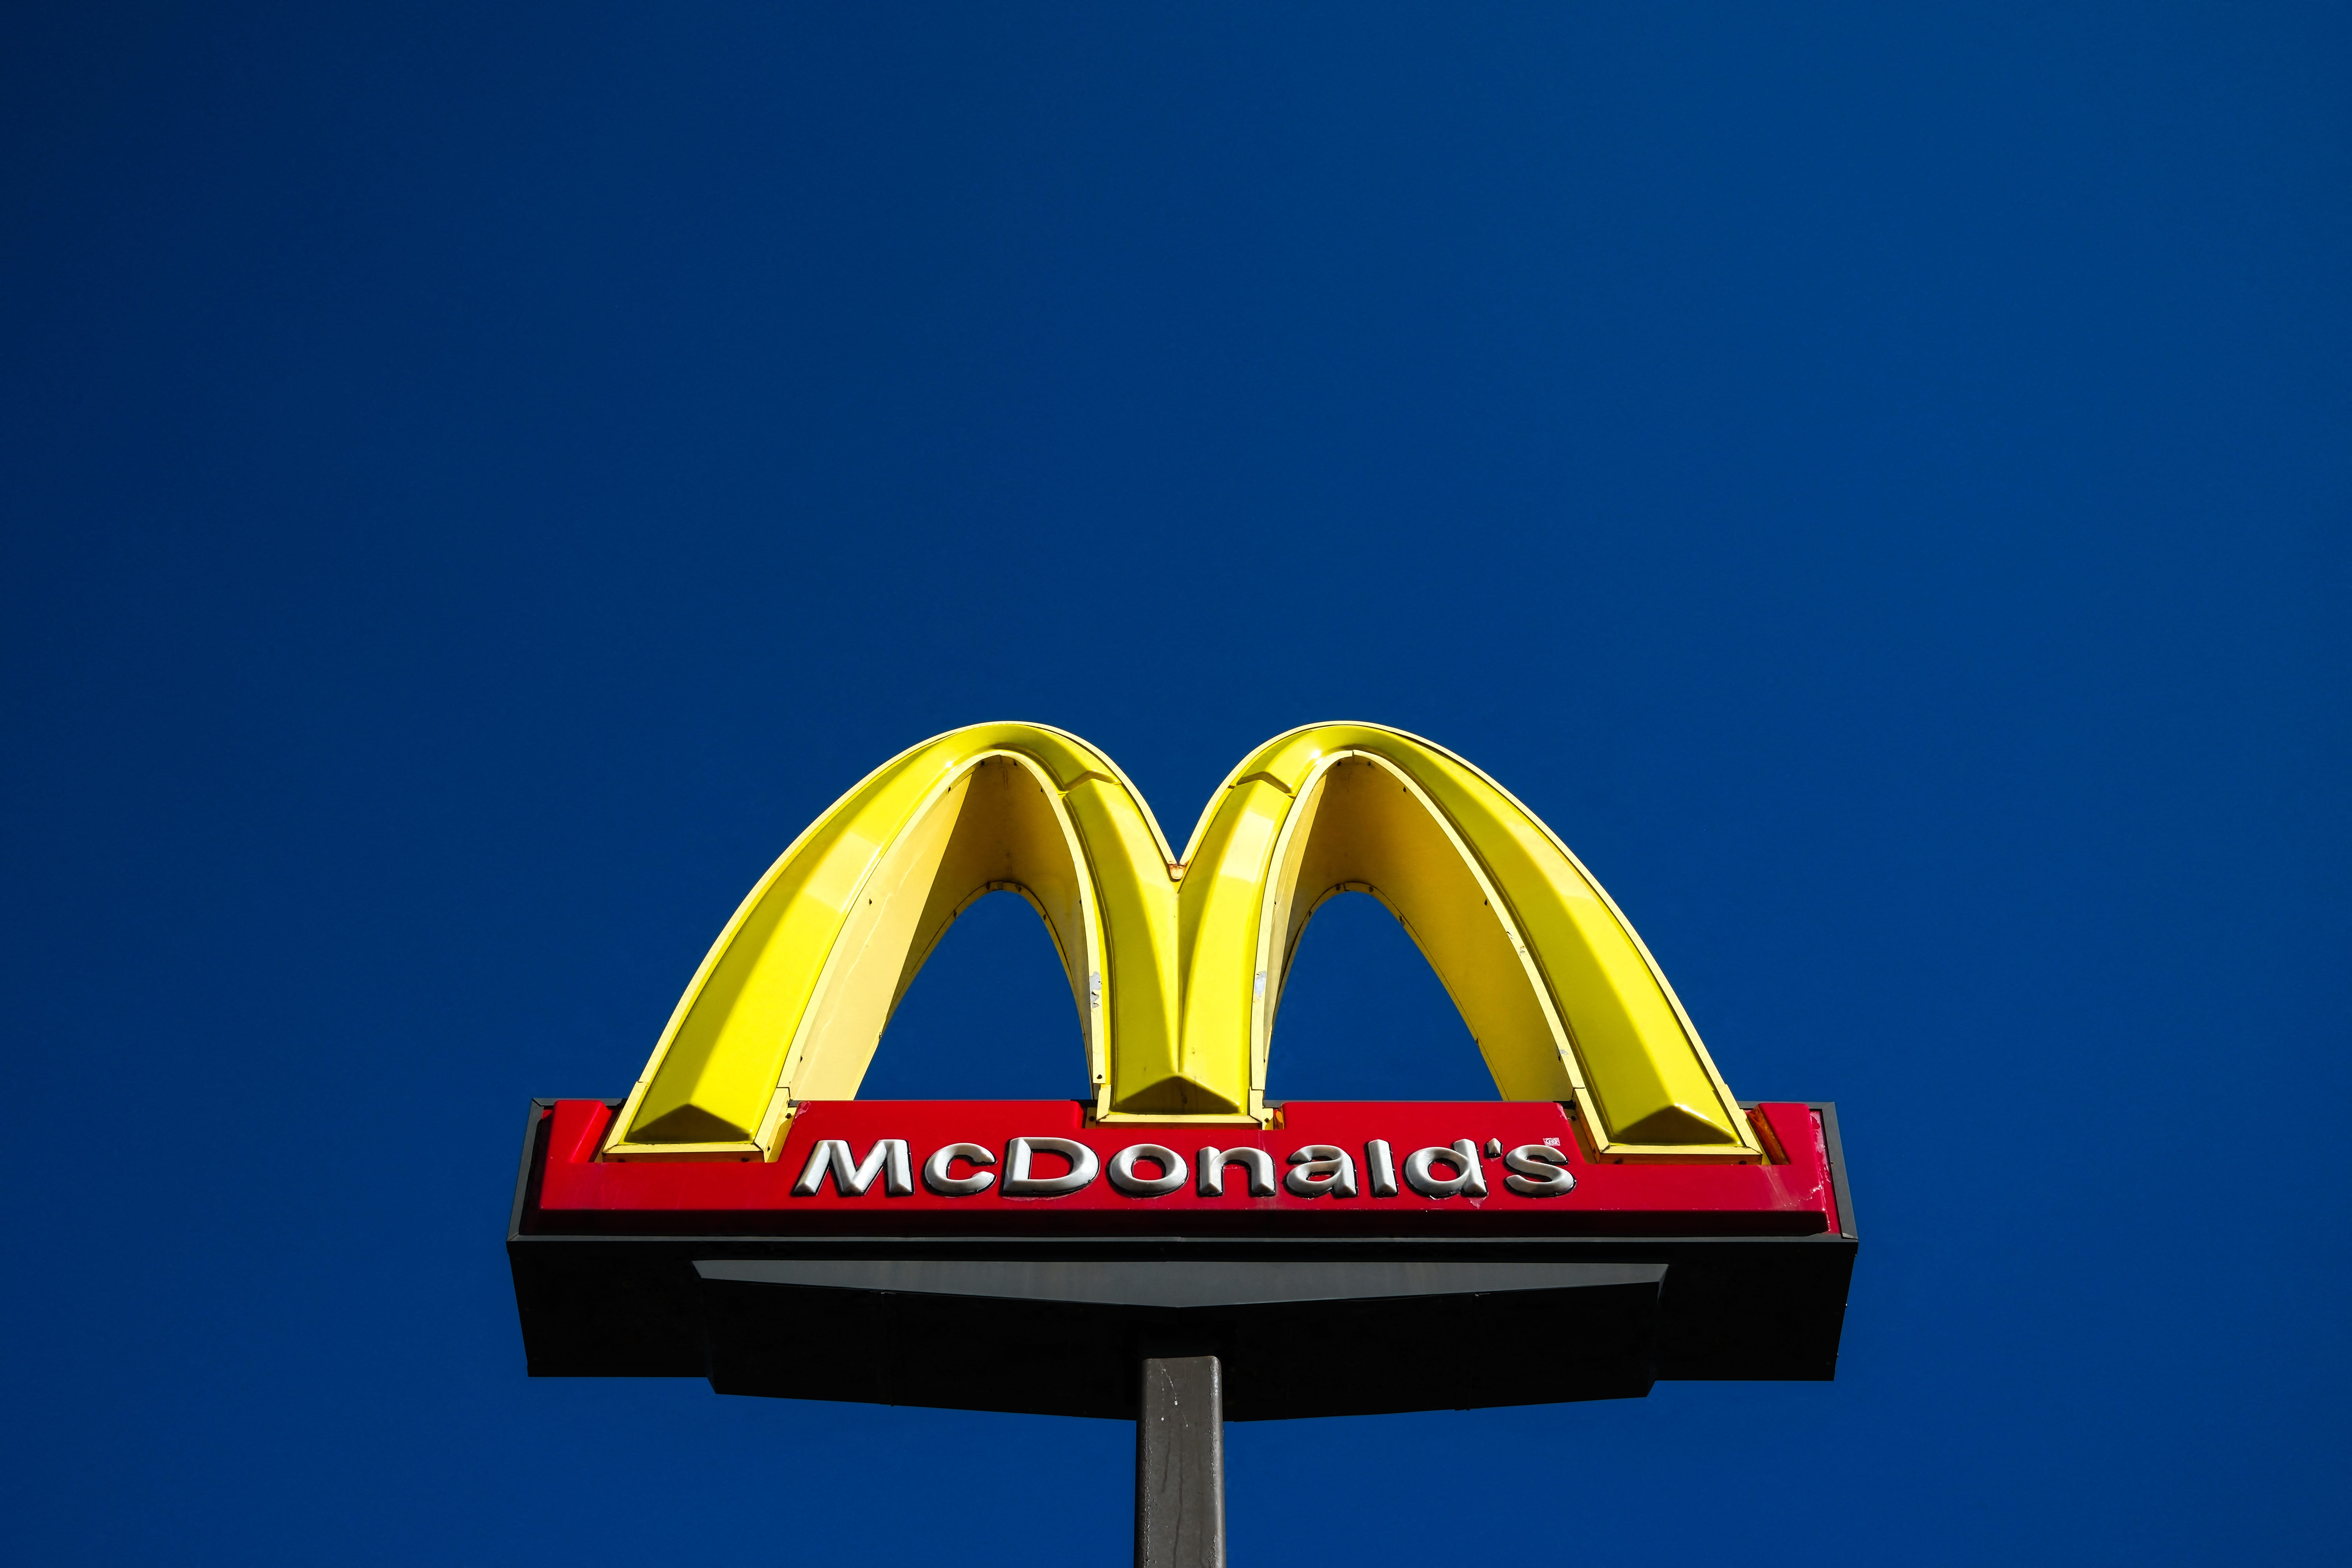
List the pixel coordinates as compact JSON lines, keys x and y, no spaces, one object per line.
{"x":1821,"y":1154}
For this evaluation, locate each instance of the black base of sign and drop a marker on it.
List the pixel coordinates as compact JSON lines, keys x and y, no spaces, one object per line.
{"x":1295,"y":1337}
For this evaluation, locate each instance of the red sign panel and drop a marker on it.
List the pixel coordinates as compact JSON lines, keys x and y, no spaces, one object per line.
{"x":1479,"y":1168}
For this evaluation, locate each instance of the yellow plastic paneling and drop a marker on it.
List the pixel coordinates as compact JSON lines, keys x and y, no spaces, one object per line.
{"x":1178,"y":968}
{"x":1564,"y":1001}
{"x":794,"y":996}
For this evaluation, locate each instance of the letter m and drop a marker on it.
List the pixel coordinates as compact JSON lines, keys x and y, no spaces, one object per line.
{"x":851,"y":1178}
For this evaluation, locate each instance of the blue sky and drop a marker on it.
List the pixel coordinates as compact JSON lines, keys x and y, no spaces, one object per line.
{"x":477,"y":480}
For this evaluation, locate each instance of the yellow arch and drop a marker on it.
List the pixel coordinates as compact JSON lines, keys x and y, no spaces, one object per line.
{"x":1564,"y":1001}
{"x":1177,"y":967}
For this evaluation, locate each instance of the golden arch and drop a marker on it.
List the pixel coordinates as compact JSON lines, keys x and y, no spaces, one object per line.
{"x":1177,"y":966}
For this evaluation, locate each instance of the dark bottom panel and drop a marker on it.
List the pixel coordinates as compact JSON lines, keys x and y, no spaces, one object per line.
{"x":1746,"y":1308}
{"x":1755,"y":1312}
{"x":1281,"y":1360}
{"x":591,"y":1311}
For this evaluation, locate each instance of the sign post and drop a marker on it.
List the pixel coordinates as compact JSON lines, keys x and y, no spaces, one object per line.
{"x":1179,"y":1464}
{"x":1179,"y":1250}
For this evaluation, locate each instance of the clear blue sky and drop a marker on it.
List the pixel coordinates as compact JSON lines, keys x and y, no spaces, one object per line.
{"x":477,"y":481}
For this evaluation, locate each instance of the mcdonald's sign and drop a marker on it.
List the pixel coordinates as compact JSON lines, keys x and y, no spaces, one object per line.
{"x":1615,"y":1215}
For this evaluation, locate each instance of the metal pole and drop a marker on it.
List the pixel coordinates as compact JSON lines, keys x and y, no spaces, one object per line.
{"x":1179,"y":1464}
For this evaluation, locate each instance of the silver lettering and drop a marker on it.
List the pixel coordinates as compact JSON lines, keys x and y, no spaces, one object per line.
{"x":851,"y":1178}
{"x":1321,"y":1168}
{"x":1463,"y":1157}
{"x":1379,"y":1168}
{"x":1539,"y":1172}
{"x":1019,"y":1183}
{"x":1172,"y":1174}
{"x":1209,"y":1167}
{"x":944,"y":1182}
